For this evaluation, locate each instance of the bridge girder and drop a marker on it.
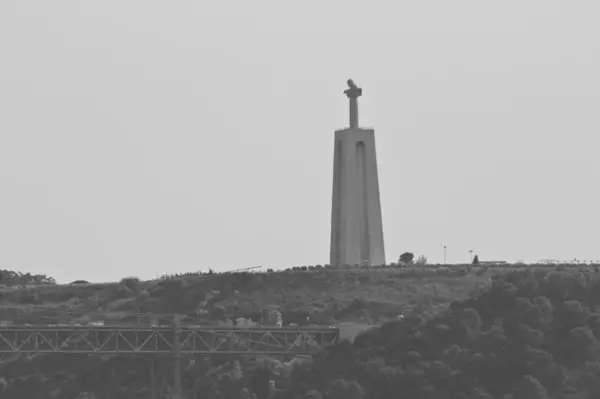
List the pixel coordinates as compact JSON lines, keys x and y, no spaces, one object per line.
{"x":148,"y":340}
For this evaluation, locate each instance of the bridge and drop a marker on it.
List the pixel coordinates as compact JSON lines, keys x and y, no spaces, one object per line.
{"x":176,"y":340}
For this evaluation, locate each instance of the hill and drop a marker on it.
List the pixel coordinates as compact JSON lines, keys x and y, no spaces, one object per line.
{"x":358,"y":297}
{"x":324,"y":295}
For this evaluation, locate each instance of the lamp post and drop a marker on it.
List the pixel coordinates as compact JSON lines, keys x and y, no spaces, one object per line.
{"x":470,"y":256}
{"x":445,"y":246}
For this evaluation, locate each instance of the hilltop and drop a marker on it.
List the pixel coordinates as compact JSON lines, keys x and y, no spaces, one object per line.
{"x":326,"y":296}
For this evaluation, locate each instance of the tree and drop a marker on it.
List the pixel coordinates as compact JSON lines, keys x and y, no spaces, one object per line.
{"x":530,"y":388}
{"x":480,"y":393}
{"x":406,"y":258}
{"x":580,"y":346}
{"x":314,"y":394}
{"x":342,"y":389}
{"x":259,"y":382}
{"x":476,"y":260}
{"x":421,"y":260}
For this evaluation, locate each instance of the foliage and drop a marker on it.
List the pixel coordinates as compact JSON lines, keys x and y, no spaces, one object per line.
{"x":529,"y":334}
{"x":406,"y":258}
{"x":9,"y":278}
{"x":321,"y":268}
{"x":131,"y":283}
{"x":80,"y":282}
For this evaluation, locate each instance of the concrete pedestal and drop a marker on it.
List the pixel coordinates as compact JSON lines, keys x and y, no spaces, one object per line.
{"x":356,"y":225}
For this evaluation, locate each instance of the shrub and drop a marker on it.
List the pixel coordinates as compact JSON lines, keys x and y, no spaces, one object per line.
{"x":27,"y":297}
{"x":132,"y":283}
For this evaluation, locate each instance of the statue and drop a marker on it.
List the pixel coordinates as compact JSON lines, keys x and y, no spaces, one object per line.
{"x":354,"y":91}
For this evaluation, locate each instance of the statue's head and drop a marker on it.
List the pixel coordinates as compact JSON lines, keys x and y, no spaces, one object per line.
{"x":353,"y":91}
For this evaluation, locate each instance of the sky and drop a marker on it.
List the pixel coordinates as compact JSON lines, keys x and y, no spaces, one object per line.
{"x":141,"y":137}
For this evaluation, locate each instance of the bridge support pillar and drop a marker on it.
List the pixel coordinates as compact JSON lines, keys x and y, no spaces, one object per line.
{"x":177,"y":358}
{"x":153,"y":375}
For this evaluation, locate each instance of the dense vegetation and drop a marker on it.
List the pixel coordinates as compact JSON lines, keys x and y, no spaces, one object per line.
{"x":523,"y":334}
{"x":528,"y":335}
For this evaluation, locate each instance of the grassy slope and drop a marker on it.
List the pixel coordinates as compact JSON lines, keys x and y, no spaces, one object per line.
{"x":352,"y":295}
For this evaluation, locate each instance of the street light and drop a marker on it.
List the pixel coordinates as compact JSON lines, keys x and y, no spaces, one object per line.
{"x":470,"y":255}
{"x":445,"y":246}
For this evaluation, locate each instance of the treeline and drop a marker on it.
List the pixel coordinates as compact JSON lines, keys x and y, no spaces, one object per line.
{"x":463,"y":266}
{"x":10,"y":278}
{"x":547,"y":266}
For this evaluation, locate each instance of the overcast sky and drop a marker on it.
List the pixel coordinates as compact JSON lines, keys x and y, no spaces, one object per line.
{"x":143,"y":136}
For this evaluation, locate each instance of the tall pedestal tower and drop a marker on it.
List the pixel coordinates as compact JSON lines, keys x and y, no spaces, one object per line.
{"x":356,"y":226}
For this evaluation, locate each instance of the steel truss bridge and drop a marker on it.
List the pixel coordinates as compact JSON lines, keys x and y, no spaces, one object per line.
{"x":179,"y":340}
